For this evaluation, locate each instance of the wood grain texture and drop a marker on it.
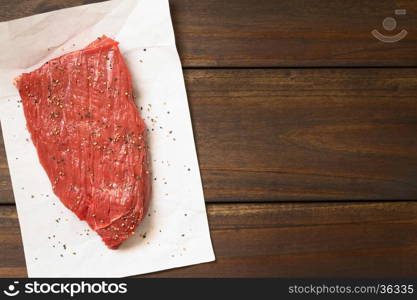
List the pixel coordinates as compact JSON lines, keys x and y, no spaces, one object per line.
{"x":291,"y":33}
{"x":274,"y":33}
{"x":301,"y":134}
{"x":362,"y":239}
{"x":305,"y":134}
{"x":6,"y":191}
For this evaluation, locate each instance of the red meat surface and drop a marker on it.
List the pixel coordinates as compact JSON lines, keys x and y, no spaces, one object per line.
{"x":90,"y":138}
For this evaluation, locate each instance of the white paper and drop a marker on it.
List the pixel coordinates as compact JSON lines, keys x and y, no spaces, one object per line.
{"x":176,"y":228}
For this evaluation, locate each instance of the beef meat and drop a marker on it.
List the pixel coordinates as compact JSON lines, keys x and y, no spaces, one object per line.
{"x":90,"y":138}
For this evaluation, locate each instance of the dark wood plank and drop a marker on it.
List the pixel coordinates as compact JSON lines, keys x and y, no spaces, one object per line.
{"x":275,"y":33}
{"x":22,"y":8}
{"x":291,"y":33}
{"x":305,"y":134}
{"x":360,"y":239}
{"x":6,"y":191}
{"x":301,"y":134}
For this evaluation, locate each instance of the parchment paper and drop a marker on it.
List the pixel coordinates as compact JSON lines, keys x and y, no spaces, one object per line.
{"x":175,"y":232}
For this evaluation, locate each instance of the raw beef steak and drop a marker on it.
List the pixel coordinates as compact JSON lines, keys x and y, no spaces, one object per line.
{"x":90,"y":138}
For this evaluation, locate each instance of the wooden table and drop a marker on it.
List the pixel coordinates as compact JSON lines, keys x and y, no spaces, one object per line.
{"x":306,"y":129}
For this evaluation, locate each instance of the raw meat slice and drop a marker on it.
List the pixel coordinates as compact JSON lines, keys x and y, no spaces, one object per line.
{"x":90,"y":138}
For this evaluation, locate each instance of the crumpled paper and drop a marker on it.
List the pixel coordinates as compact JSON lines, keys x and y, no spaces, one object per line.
{"x":175,"y":233}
